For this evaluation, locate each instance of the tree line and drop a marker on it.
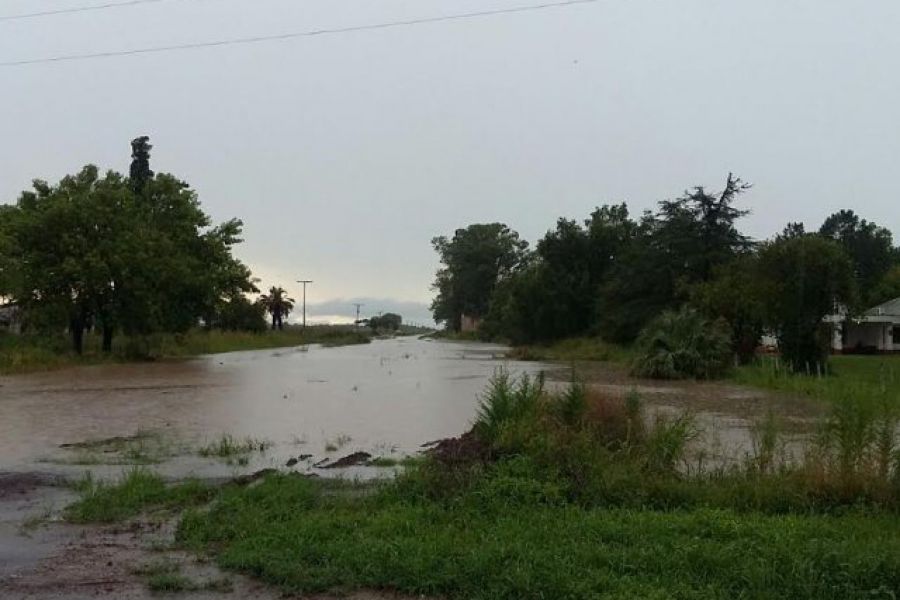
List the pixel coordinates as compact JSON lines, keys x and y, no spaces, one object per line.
{"x":133,"y":255}
{"x":612,"y":274}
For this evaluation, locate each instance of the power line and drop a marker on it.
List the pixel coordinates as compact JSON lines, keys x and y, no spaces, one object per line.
{"x":296,"y":34}
{"x":77,"y":9}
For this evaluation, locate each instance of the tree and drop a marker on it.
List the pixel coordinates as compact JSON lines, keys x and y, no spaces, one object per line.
{"x":140,"y":172}
{"x":868,"y":245}
{"x":89,"y":252}
{"x":474,"y":261}
{"x":732,"y":294}
{"x":240,"y":314}
{"x":387,"y":321}
{"x":277,"y":303}
{"x":888,"y":288}
{"x":555,"y":295}
{"x":672,"y":250}
{"x":803,"y":279}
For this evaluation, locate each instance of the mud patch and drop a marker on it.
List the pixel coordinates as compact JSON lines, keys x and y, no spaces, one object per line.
{"x":351,"y":460}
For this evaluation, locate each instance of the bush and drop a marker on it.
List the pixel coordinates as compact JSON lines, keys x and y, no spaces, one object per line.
{"x":683,"y":345}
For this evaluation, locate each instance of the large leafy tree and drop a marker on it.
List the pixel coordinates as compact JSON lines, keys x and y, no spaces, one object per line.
{"x":868,"y":245}
{"x":556,"y":295}
{"x":679,"y":246}
{"x":732,"y":294}
{"x":473,"y":262}
{"x":90,"y":252}
{"x":278,"y":304}
{"x":802,"y":280}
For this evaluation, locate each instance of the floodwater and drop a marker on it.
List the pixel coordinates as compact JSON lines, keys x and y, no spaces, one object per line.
{"x":386,"y":398}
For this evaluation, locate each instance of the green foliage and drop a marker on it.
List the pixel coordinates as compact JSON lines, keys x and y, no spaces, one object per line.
{"x":28,"y":353}
{"x":870,"y":248}
{"x":683,"y":345}
{"x":506,"y":401}
{"x":473,"y":262}
{"x":887,"y":288}
{"x":386,"y":322}
{"x":138,"y":490}
{"x":573,"y":349}
{"x":239,"y":314}
{"x":277,"y":304}
{"x":228,"y":447}
{"x":575,"y":495}
{"x":803,"y":279}
{"x":733,"y":294}
{"x":96,"y":251}
{"x":514,"y":537}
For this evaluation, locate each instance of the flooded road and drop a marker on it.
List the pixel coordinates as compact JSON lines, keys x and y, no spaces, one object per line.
{"x":386,"y":398}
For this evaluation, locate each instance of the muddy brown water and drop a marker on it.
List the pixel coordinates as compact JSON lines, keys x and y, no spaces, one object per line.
{"x":385,"y":398}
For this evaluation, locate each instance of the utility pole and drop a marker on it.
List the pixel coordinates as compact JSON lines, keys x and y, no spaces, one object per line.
{"x":304,"y":282}
{"x":358,"y":306}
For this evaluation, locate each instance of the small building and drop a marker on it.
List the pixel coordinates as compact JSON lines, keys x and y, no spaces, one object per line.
{"x":876,"y":330}
{"x":468,"y":323}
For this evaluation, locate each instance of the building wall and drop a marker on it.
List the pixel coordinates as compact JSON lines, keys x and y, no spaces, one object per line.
{"x":468,"y":323}
{"x":868,"y":335}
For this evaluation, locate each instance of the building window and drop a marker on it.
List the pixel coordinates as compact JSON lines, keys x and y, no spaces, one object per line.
{"x":895,"y":334}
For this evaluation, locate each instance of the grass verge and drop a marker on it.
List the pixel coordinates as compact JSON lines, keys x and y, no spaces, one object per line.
{"x":574,"y":495}
{"x":573,"y":349}
{"x":290,"y":534}
{"x":30,"y":353}
{"x":138,"y":491}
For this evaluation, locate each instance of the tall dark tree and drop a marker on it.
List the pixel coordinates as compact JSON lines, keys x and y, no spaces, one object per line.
{"x":802,"y":280}
{"x":732,"y":294}
{"x":140,"y":172}
{"x":671,"y":251}
{"x":473,"y":262}
{"x":868,"y":245}
{"x":556,"y":296}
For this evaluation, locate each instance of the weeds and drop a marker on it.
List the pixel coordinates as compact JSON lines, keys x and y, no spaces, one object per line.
{"x":138,"y":490}
{"x":234,"y":450}
{"x":165,"y":576}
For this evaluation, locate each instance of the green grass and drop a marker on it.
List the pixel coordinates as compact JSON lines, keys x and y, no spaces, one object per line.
{"x":228,"y":447}
{"x":137,"y":491}
{"x":848,"y":373}
{"x":29,"y":353}
{"x":573,"y":349}
{"x":289,"y":533}
{"x":572,"y":494}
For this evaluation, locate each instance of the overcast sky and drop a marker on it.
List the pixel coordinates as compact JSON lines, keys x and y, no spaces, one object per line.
{"x":345,"y":154}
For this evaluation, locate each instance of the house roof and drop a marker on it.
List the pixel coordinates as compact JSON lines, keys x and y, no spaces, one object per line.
{"x":891,"y":308}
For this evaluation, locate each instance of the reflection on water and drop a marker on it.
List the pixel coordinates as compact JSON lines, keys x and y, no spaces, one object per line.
{"x":388,"y":396}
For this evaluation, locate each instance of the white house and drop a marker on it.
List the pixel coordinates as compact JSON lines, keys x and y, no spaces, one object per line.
{"x":876,"y":330}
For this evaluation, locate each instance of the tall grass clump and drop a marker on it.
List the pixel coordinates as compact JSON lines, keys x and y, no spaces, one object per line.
{"x":597,"y":449}
{"x":506,"y":401}
{"x":683,"y":345}
{"x":138,"y":489}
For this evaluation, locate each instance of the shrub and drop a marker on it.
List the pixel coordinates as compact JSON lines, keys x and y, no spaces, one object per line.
{"x":683,"y":345}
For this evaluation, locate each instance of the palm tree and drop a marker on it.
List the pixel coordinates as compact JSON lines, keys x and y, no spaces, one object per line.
{"x":277,"y":303}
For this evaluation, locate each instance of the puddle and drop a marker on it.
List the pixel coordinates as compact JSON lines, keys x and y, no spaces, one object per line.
{"x":386,"y":399}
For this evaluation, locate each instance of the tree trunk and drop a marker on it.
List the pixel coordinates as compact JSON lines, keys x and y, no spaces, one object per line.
{"x":77,"y":327}
{"x":107,"y":338}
